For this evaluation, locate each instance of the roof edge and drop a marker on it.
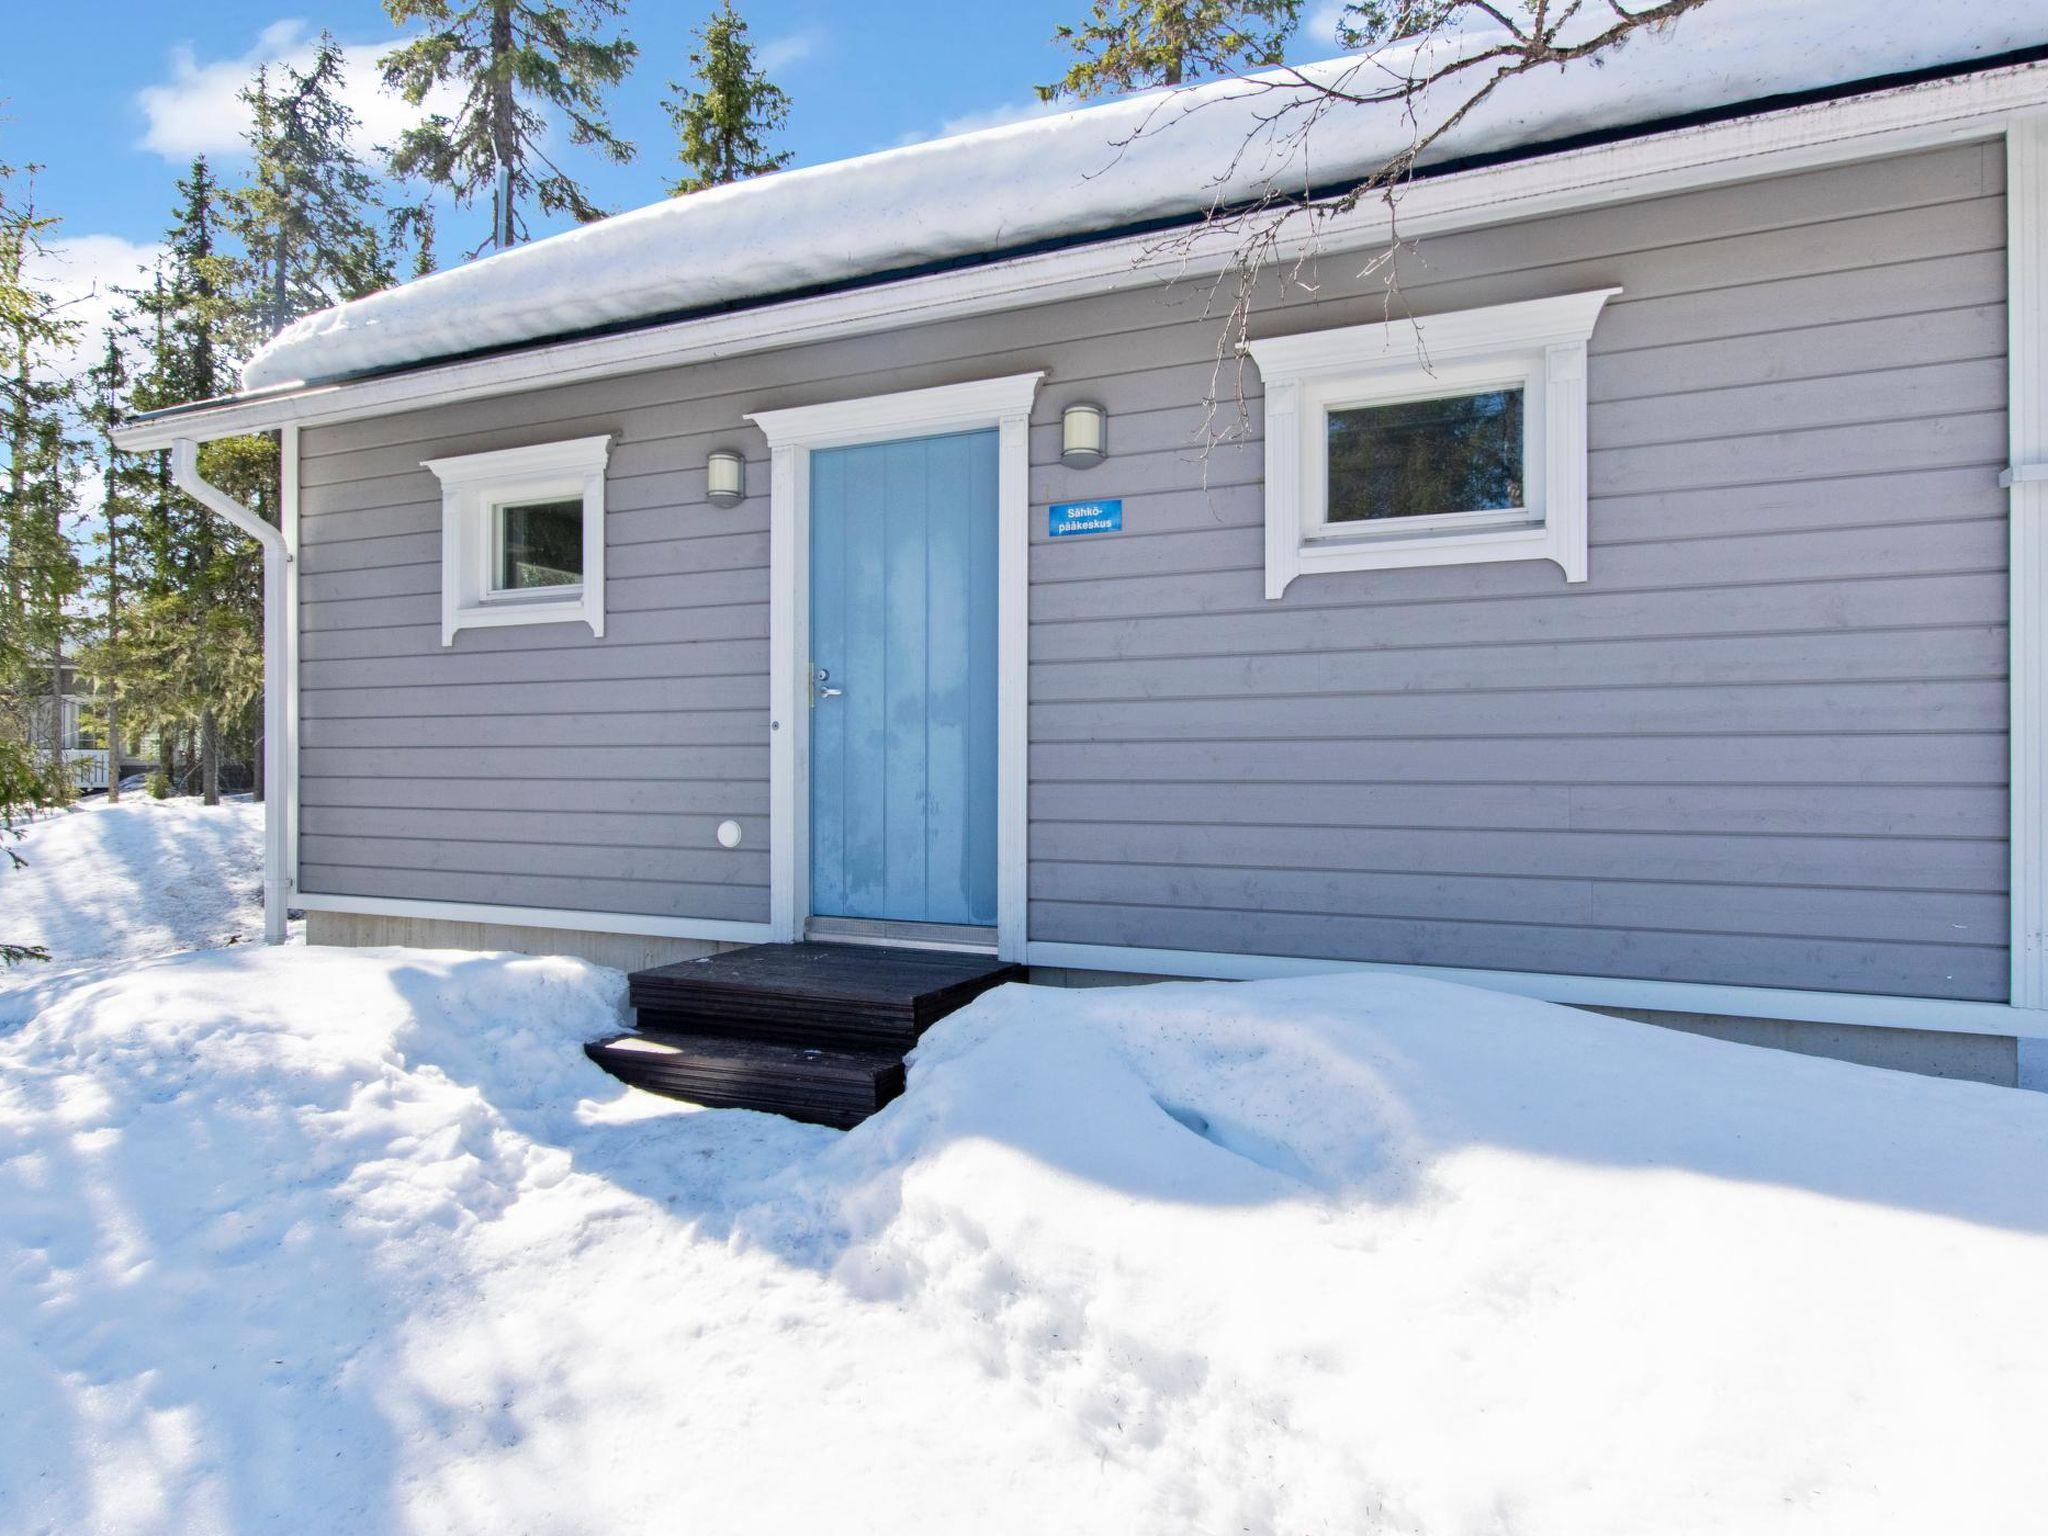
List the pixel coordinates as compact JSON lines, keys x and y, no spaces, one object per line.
{"x":2010,"y":63}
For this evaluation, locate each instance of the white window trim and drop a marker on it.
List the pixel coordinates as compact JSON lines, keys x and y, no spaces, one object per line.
{"x":793,"y":434}
{"x":1538,"y":346}
{"x":473,"y":487}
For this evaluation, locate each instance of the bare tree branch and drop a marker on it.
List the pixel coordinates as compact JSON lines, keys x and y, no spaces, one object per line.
{"x":1426,"y":65}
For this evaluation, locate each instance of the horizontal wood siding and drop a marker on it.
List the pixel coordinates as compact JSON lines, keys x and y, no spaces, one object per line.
{"x":1763,"y":744}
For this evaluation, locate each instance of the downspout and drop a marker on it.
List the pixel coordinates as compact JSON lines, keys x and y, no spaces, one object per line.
{"x":277,"y":557}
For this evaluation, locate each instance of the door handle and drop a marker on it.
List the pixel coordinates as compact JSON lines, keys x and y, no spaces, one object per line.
{"x":819,"y":677}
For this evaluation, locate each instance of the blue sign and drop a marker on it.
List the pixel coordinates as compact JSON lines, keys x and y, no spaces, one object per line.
{"x":1068,"y":517}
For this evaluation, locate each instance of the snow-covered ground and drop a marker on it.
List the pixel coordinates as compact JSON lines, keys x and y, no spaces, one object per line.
{"x":344,"y":1241}
{"x":145,"y":877}
{"x":352,"y":1242}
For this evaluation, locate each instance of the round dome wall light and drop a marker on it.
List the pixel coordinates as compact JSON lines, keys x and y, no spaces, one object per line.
{"x":725,"y":478}
{"x":1084,"y":436}
{"x":728,"y":834}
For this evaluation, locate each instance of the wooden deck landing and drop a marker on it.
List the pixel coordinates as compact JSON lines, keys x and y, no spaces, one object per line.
{"x":813,"y":1031}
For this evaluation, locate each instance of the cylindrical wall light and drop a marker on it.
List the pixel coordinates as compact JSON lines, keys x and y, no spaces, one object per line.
{"x":1084,"y":436}
{"x":725,"y":478}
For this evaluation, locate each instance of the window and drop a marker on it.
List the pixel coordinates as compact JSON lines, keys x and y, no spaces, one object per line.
{"x":1443,"y":441}
{"x":522,"y":536}
{"x":540,"y":544}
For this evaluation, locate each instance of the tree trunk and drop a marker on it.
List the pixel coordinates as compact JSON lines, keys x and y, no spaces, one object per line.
{"x":255,"y":722}
{"x":209,"y":758}
{"x":57,"y":742}
{"x":113,"y":638}
{"x":113,"y":745}
{"x":504,"y":133}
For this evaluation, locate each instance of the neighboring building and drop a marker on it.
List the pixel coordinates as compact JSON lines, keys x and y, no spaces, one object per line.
{"x":82,"y":734}
{"x":1630,"y":627}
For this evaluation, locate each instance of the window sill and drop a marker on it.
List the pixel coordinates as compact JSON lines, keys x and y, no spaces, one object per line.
{"x":1405,"y":551}
{"x":501,"y":612}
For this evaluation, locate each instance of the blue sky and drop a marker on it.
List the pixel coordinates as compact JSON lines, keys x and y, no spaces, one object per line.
{"x":122,"y":93}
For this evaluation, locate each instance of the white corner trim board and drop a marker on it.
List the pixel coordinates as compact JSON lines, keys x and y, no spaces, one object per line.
{"x":1536,"y":350}
{"x":475,"y":489}
{"x":1941,"y":1015}
{"x":1895,"y":121}
{"x":2026,"y":204}
{"x":793,"y":434}
{"x":288,"y":685}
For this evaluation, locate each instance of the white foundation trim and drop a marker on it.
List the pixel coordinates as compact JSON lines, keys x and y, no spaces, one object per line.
{"x":1945,"y":1015}
{"x":2026,"y":203}
{"x":1004,"y":404}
{"x":1887,"y":122}
{"x":638,"y":924}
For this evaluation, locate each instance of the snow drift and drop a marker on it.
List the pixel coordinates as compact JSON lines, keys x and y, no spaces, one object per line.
{"x":145,"y":877}
{"x":1100,"y":168}
{"x":354,"y":1241}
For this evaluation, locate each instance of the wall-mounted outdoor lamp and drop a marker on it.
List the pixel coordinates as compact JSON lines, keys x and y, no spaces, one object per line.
{"x":1084,"y":436}
{"x":725,"y":478}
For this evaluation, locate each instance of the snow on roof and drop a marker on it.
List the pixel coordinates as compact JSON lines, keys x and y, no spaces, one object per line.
{"x":1101,"y":168}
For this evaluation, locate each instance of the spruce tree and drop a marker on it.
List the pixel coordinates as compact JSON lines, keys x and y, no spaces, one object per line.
{"x":199,"y":626}
{"x":118,"y":572}
{"x":516,"y":61}
{"x":1127,"y":45}
{"x":308,"y":217}
{"x":39,"y":571}
{"x":724,"y":119}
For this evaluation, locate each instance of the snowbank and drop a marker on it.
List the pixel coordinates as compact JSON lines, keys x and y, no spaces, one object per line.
{"x":337,"y":1241}
{"x":144,"y":877}
{"x":1101,"y":168}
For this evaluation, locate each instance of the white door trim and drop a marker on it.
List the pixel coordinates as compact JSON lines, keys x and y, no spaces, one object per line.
{"x":2026,"y":194}
{"x":793,"y":434}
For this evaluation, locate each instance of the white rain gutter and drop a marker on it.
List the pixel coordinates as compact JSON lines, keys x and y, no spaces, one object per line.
{"x":277,"y":559}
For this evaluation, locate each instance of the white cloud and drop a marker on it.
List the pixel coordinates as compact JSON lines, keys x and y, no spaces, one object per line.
{"x":998,"y":117}
{"x":987,"y":117}
{"x":781,"y":52}
{"x":83,"y":272}
{"x":199,"y":110}
{"x":1321,"y":26}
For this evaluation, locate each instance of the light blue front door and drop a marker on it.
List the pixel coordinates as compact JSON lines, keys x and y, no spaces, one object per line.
{"x":903,"y":650}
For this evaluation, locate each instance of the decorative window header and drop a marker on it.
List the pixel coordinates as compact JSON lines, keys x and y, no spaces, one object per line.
{"x":1447,"y":440}
{"x":522,"y":536}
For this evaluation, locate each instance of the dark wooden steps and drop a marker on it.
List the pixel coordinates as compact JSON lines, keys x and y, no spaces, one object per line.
{"x":828,"y":1087}
{"x":813,"y":1031}
{"x":841,"y":991}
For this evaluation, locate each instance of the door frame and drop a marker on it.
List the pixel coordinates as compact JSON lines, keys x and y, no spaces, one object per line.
{"x":793,"y":434}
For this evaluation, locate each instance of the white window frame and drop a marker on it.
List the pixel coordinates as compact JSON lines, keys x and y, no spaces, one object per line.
{"x":474,"y":486}
{"x":1538,"y":347}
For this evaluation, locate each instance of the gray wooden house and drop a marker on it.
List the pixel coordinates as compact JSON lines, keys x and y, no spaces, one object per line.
{"x":1638,"y":606}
